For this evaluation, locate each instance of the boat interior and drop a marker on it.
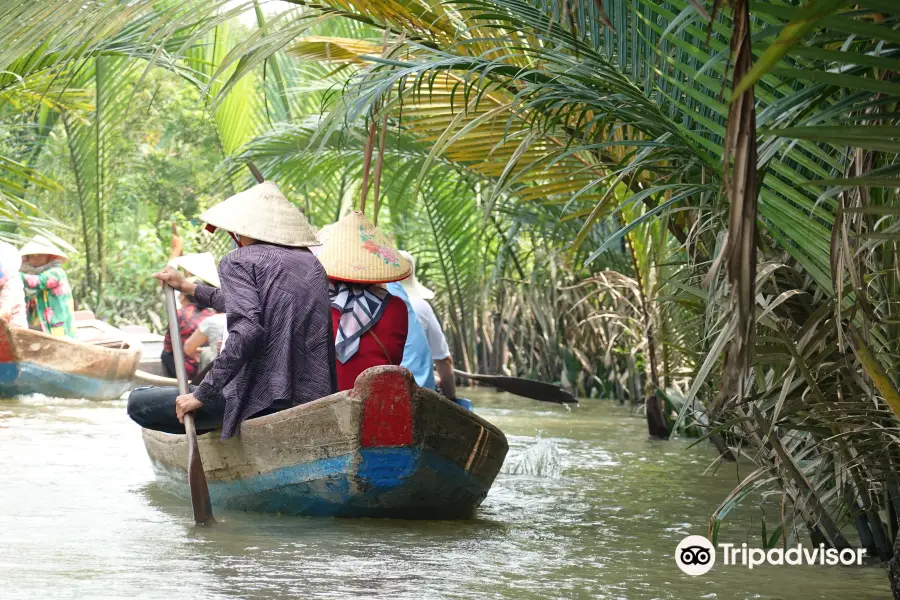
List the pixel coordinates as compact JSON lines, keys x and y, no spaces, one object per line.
{"x":95,"y":332}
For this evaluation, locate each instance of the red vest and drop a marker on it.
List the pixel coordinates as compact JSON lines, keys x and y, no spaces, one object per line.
{"x":391,"y":330}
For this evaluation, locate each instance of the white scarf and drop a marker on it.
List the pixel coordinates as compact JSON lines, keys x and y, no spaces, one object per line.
{"x":29,"y":270}
{"x":361,"y":306}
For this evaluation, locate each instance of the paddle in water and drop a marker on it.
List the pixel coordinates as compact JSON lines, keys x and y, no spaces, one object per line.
{"x":527,"y":388}
{"x":196,"y":477}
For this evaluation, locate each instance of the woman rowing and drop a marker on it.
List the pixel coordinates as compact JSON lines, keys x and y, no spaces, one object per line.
{"x":280,"y":351}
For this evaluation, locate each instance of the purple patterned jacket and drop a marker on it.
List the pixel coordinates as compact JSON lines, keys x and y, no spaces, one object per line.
{"x":280,"y":350}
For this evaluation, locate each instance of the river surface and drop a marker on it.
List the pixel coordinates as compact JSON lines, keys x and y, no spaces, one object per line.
{"x":586,"y":507}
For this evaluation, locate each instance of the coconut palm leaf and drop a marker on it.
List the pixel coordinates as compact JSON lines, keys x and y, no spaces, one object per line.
{"x":440,"y":223}
{"x":93,"y":159}
{"x":59,"y":58}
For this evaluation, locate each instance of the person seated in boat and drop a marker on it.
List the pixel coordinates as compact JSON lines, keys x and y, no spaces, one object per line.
{"x":202,"y":346}
{"x":369,"y":324}
{"x":12,"y":290}
{"x":190,"y":316}
{"x":51,"y":307}
{"x":416,"y":353}
{"x":205,"y":343}
{"x":280,"y":350}
{"x":419,"y":295}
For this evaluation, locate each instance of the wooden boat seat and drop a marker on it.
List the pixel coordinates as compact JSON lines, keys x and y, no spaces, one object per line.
{"x":115,"y":343}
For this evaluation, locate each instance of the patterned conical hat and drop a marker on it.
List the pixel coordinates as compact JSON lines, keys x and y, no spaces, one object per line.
{"x":264,"y":214}
{"x":357,"y":251}
{"x":41,"y":245}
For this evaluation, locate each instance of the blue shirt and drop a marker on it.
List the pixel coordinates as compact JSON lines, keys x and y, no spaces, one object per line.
{"x":416,"y":352}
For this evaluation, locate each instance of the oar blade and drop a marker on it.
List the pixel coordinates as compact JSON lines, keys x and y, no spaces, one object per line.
{"x":200,"y":501}
{"x":536,"y":390}
{"x":527,"y":388}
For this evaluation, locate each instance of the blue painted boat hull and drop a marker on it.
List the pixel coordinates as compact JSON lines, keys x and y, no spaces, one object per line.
{"x":32,"y":362}
{"x":401,"y":483}
{"x":17,"y":379}
{"x":362,"y":453}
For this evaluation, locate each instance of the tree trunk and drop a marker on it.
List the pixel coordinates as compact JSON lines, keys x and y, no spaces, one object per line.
{"x":656,"y":420}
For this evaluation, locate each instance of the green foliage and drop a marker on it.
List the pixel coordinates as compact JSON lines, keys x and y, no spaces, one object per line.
{"x":160,"y":168}
{"x":623,"y":127}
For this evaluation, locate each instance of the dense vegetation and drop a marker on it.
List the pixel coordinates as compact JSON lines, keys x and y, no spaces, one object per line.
{"x":697,"y":199}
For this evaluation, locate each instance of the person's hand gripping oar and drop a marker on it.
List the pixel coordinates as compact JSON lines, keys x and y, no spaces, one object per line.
{"x":196,"y":477}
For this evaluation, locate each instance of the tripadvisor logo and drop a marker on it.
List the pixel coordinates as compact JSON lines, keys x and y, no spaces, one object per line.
{"x":696,"y":555}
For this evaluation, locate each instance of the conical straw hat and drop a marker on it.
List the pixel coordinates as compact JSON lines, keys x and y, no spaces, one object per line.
{"x":357,"y":251}
{"x":322,"y":236}
{"x":41,"y":245}
{"x":413,"y":288}
{"x":264,"y":214}
{"x":202,"y":265}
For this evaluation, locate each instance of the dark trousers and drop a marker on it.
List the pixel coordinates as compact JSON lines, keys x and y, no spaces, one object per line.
{"x":168,"y":362}
{"x":154,"y":408}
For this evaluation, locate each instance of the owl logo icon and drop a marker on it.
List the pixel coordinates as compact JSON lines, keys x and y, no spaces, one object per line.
{"x":695,"y":555}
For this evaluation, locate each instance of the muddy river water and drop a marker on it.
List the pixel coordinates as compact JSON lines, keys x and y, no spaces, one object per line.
{"x":586,"y":507}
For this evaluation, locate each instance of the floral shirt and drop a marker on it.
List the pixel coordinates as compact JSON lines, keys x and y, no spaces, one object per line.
{"x":51,"y":307}
{"x":189,"y":318}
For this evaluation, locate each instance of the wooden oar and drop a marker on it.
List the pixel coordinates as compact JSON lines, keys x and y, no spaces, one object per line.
{"x":527,"y":388}
{"x":196,"y":477}
{"x":151,"y":379}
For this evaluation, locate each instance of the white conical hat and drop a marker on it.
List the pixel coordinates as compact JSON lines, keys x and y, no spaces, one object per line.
{"x":202,"y":265}
{"x":413,"y":288}
{"x":322,"y":236}
{"x":264,"y":214}
{"x":357,"y":251}
{"x":41,"y":245}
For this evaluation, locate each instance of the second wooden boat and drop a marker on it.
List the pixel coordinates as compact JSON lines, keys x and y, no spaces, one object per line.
{"x":32,"y":362}
{"x":93,"y":331}
{"x":384,"y":449}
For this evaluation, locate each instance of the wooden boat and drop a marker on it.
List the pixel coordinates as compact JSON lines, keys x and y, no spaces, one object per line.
{"x":33,"y":362}
{"x":384,"y":449}
{"x":150,"y":369}
{"x":91,"y":330}
{"x":151,"y":348}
